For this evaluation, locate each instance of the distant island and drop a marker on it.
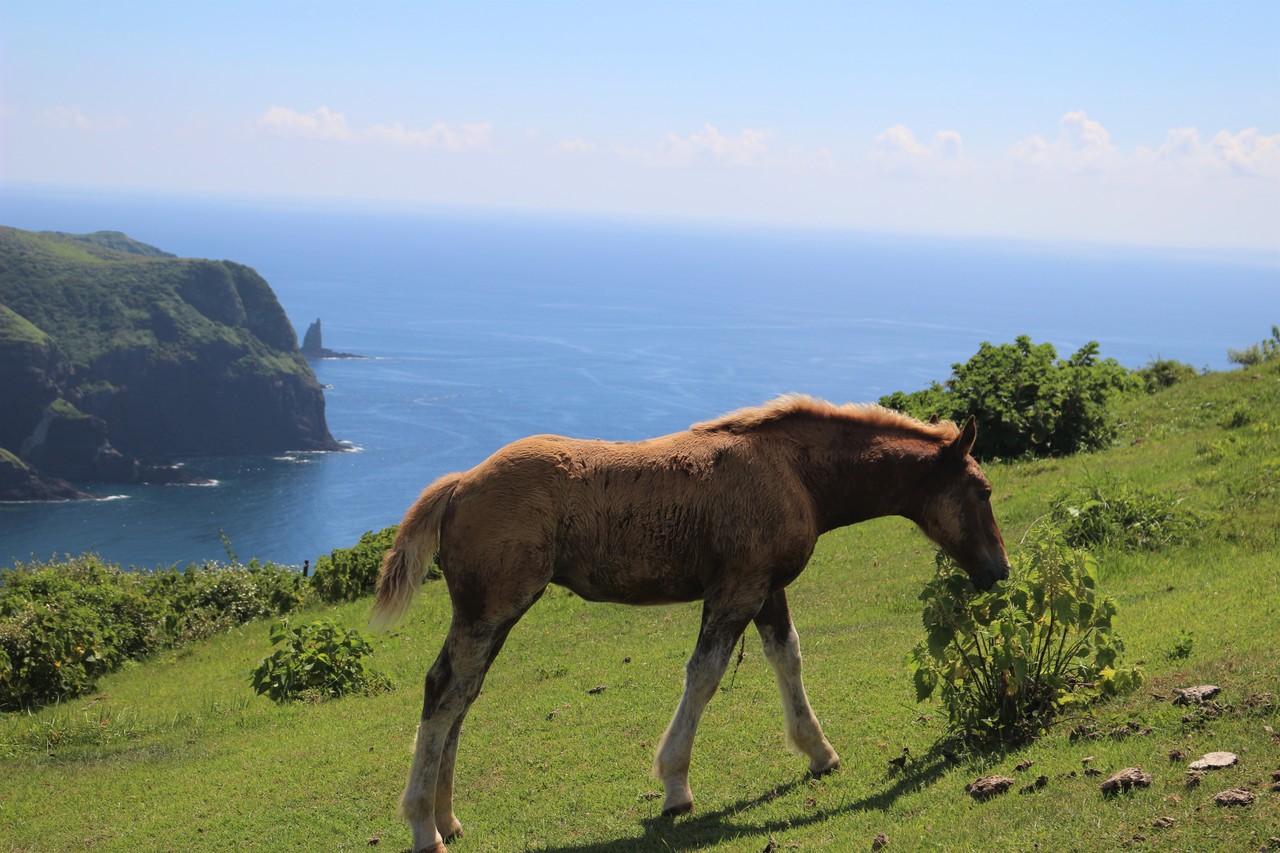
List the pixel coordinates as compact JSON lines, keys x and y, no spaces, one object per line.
{"x":116,"y":356}
{"x":313,"y":345}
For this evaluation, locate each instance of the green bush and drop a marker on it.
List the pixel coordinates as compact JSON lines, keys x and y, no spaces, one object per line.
{"x":318,"y":661}
{"x":1256,"y":354}
{"x":63,"y":625}
{"x":1114,"y":514}
{"x":346,"y":574}
{"x":1164,"y":373}
{"x":1028,"y":403}
{"x":1006,"y":662}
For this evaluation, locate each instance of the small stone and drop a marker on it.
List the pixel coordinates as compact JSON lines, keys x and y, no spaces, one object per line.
{"x":1214,"y":761}
{"x":986,"y":787}
{"x":1195,"y":695}
{"x":1130,"y":777}
{"x":1086,"y":761}
{"x":1234,"y":797}
{"x":880,"y":842}
{"x":1024,"y":765}
{"x":1177,"y":755}
{"x":1162,"y":822}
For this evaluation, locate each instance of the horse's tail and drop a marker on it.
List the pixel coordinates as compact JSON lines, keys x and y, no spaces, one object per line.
{"x":415,"y":543}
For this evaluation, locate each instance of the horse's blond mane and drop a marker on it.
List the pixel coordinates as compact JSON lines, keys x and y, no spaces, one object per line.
{"x":802,"y":405}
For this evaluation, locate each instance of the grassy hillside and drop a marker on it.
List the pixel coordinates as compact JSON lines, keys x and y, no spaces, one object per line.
{"x":177,"y":753}
{"x":104,"y":293}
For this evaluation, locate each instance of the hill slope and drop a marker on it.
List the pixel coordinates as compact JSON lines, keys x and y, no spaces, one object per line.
{"x":104,"y":338}
{"x":179,"y":753}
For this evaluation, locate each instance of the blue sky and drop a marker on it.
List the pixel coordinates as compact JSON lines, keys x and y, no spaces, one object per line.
{"x":1133,"y":122}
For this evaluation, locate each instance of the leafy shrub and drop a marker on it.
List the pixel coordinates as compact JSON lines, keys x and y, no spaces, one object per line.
{"x":1182,"y":647}
{"x":346,"y":574}
{"x":1113,"y":514}
{"x":1026,"y":402}
{"x":63,"y":625}
{"x":1241,"y":415}
{"x":318,"y":661}
{"x":1257,"y":353}
{"x":1007,"y":661}
{"x":1164,"y":373}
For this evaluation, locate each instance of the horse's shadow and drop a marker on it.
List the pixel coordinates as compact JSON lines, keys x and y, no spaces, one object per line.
{"x":728,"y":823}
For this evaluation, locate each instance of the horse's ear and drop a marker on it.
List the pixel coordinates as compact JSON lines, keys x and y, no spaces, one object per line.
{"x":964,"y":441}
{"x":934,"y":419}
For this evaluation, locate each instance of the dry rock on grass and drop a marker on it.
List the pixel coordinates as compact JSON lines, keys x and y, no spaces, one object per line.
{"x":1130,"y":777}
{"x":1234,"y":797}
{"x":986,"y":787}
{"x":1214,"y":761}
{"x":1195,"y":695}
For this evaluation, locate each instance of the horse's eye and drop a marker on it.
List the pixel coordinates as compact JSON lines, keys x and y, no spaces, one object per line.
{"x":985,"y":494}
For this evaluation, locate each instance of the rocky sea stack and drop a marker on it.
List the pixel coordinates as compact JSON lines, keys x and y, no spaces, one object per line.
{"x":113,"y":353}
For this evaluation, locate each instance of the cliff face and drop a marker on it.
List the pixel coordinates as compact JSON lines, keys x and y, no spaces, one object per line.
{"x":111,"y":347}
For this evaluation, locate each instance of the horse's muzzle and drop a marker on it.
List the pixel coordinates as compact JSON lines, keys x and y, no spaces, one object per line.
{"x":993,"y":569}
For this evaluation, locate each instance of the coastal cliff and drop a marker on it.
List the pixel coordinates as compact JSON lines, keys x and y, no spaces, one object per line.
{"x":113,"y":352}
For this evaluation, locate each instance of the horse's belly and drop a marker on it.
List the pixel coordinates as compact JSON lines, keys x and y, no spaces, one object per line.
{"x":630,"y":583}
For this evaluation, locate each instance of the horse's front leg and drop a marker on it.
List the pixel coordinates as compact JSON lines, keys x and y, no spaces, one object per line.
{"x":782,"y":650}
{"x":722,"y":625}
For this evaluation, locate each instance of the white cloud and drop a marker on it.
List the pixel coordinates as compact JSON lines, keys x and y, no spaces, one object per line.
{"x":898,"y":150}
{"x":574,"y":145}
{"x":324,"y":123}
{"x":321,"y":123}
{"x":469,"y":137}
{"x":73,"y":118}
{"x":748,"y":148}
{"x":1082,"y":145}
{"x":1247,"y":153}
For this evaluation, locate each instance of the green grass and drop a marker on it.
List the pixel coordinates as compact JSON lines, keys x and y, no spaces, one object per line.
{"x":177,"y":752}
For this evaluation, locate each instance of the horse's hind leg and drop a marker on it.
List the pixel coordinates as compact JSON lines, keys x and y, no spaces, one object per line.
{"x":722,"y":625}
{"x":452,"y":684}
{"x":782,"y":650}
{"x":447,"y":824}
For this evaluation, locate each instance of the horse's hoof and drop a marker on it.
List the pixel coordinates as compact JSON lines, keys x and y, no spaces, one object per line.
{"x":682,"y":808}
{"x":452,"y":832}
{"x":823,"y":771}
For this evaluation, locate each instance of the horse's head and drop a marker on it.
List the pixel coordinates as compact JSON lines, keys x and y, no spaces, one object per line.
{"x":957,"y":511}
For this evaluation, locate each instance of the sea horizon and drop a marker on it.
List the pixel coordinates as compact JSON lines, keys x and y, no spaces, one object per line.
{"x":482,"y":327}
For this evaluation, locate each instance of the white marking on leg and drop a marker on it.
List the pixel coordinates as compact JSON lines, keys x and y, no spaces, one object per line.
{"x":803,"y":731}
{"x":702,"y":676}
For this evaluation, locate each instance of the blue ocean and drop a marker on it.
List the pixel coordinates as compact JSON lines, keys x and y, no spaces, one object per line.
{"x":481,"y":328}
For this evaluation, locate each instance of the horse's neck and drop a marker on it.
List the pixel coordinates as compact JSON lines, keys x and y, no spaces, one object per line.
{"x":860,"y":474}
